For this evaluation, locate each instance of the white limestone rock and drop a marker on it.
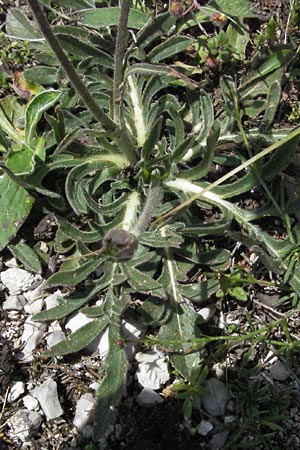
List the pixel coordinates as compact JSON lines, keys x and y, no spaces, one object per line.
{"x":152,"y":370}
{"x":30,"y":403}
{"x":204,"y":427}
{"x":56,"y":334}
{"x":18,"y":280}
{"x":24,"y":424}
{"x":47,"y":396}
{"x":148,"y":397}
{"x":17,"y":389}
{"x":32,"y":335}
{"x":52,"y":300}
{"x":84,"y":412}
{"x":14,"y":303}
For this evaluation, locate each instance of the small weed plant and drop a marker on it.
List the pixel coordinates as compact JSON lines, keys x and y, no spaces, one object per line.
{"x":117,"y":130}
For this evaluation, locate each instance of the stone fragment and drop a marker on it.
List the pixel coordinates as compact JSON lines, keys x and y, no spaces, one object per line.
{"x":32,"y":334}
{"x":152,"y":370}
{"x":149,"y":397}
{"x":204,"y":427}
{"x":47,"y":396}
{"x":84,"y":412}
{"x":14,"y":303}
{"x":214,"y":397}
{"x":30,"y":403}
{"x":279,"y":371}
{"x":17,"y":389}
{"x":24,"y":424}
{"x":18,"y":280}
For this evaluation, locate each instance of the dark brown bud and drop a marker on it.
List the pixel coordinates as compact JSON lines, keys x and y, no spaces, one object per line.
{"x":119,"y":244}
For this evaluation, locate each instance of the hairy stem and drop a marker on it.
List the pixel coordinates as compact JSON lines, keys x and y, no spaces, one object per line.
{"x":121,"y":45}
{"x":146,"y":215}
{"x":68,"y":67}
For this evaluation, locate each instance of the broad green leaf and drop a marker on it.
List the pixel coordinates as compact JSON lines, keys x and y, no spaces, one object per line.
{"x":35,"y":110}
{"x":27,"y":256}
{"x":17,"y":24}
{"x":15,"y":205}
{"x":79,"y":339}
{"x":12,"y":118}
{"x":199,"y":292}
{"x":104,"y":17}
{"x":75,"y":233}
{"x":154,"y":311}
{"x":244,"y":9}
{"x":21,"y":162}
{"x":43,"y":75}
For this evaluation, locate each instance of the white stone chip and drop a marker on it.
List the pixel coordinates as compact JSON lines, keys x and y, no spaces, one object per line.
{"x":18,"y":280}
{"x":279,"y":371}
{"x":34,"y":307}
{"x":77,"y":321}
{"x":103,"y":346}
{"x":52,"y":300}
{"x":24,"y":424}
{"x":54,"y":338}
{"x":152,"y":370}
{"x":14,"y":303}
{"x":46,"y":394}
{"x":32,"y":334}
{"x":84,"y":412}
{"x":204,"y":427}
{"x":149,"y":397}
{"x":30,"y":403}
{"x":214,"y":397}
{"x":206,"y":313}
{"x":17,"y":389}
{"x":132,"y":332}
{"x":35,"y":294}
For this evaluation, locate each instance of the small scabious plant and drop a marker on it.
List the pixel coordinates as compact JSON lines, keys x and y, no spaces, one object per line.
{"x":140,"y":170}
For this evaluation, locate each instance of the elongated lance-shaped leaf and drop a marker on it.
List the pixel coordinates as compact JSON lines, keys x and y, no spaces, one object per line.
{"x":27,"y":256}
{"x":277,"y":249}
{"x":155,"y":28}
{"x":152,"y":139}
{"x":75,"y":276}
{"x":168,"y":48}
{"x":79,"y":339}
{"x":104,"y":17}
{"x":202,"y":169}
{"x":182,"y":322}
{"x":35,"y":110}
{"x":113,"y":387}
{"x":140,"y":282}
{"x":273,"y":99}
{"x":72,"y":302}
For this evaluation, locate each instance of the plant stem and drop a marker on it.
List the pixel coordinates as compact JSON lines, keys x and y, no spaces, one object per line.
{"x":146,"y":215}
{"x":95,"y":110}
{"x":121,"y":45}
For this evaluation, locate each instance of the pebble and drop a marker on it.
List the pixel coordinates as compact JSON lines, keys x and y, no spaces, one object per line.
{"x":152,"y":370}
{"x":204,"y":427}
{"x":24,"y":424}
{"x":18,"y":280}
{"x":14,"y":303}
{"x":149,"y":397}
{"x":84,"y":412}
{"x":16,"y":390}
{"x":32,"y":334}
{"x":30,"y":403}
{"x":47,"y":396}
